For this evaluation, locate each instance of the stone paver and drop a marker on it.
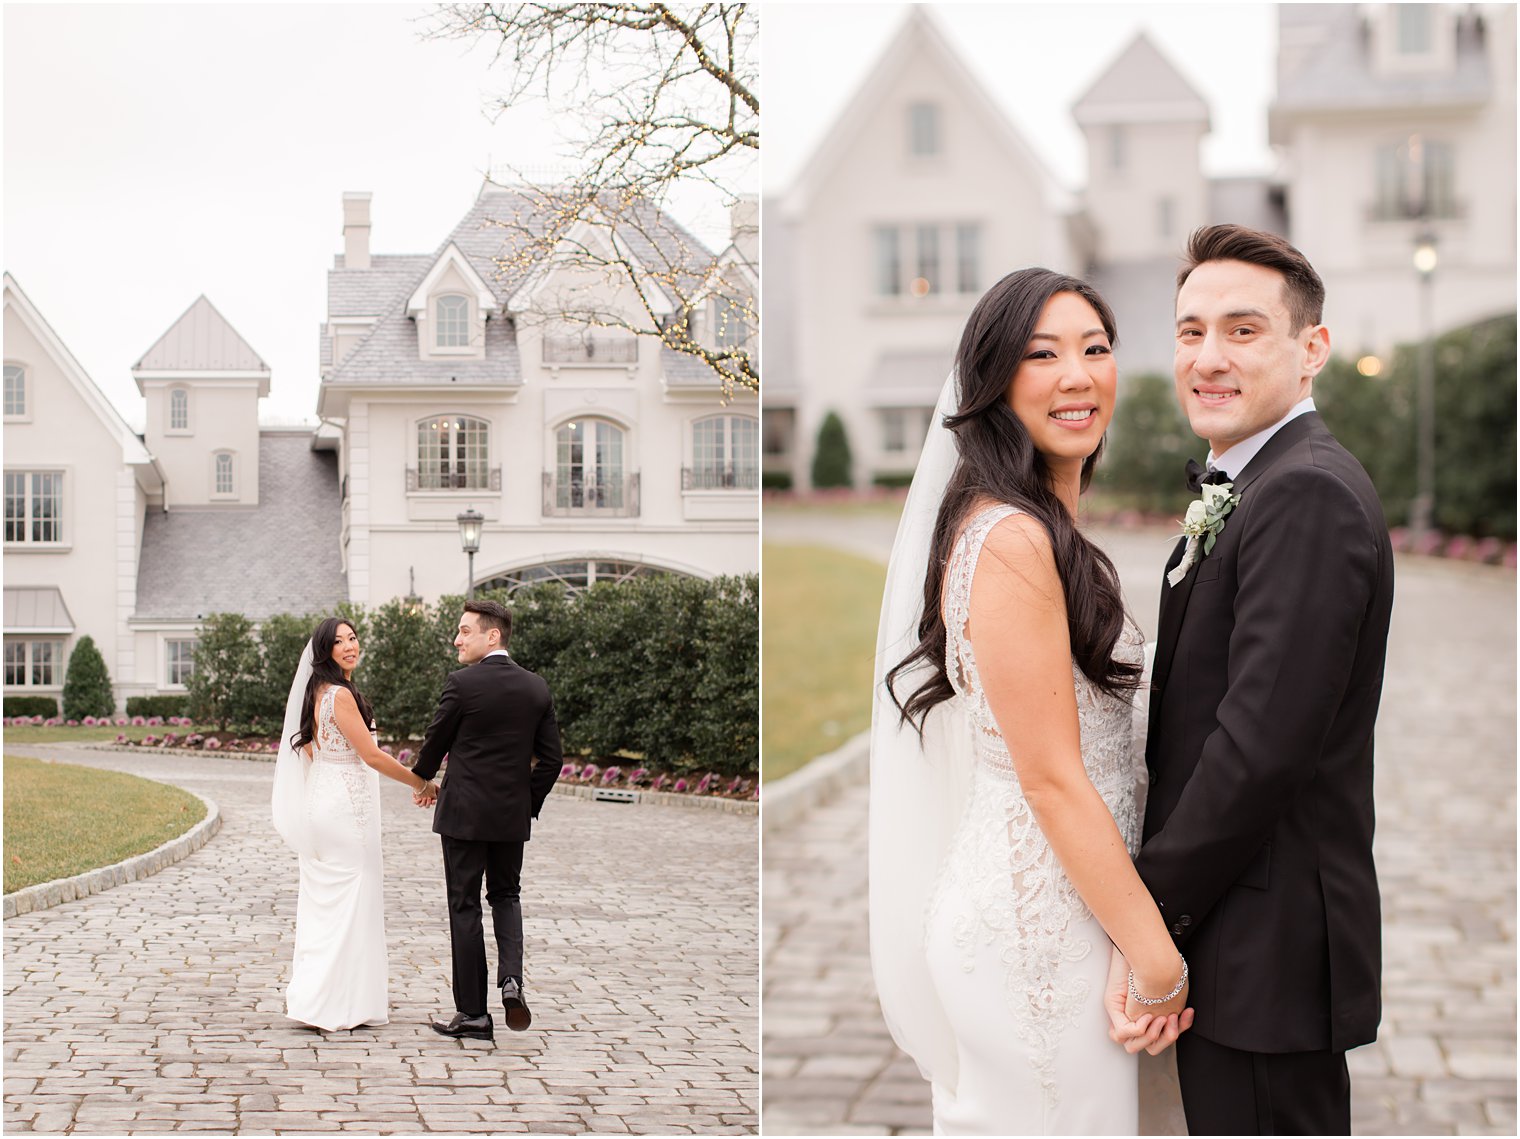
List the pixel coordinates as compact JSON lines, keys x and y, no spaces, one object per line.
{"x":159,"y":1005}
{"x":1445,"y":789}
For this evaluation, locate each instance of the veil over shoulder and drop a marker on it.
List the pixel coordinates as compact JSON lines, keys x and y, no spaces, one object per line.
{"x":918,"y":787}
{"x":287,"y":800}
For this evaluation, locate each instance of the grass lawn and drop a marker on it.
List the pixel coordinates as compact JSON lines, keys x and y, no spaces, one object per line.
{"x":62,"y":820}
{"x":818,"y":623}
{"x":64,"y":734}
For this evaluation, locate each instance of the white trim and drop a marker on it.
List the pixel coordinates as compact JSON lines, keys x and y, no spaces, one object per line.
{"x":485,"y":300}
{"x":182,"y":375}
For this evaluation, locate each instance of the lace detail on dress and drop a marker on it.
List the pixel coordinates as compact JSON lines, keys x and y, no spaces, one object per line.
{"x":332,"y":747}
{"x":1024,"y":903}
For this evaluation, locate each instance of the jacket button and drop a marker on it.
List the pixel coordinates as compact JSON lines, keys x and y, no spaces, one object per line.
{"x":1185,"y":919}
{"x":1177,"y":930}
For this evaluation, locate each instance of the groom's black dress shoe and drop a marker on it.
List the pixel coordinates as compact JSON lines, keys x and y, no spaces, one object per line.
{"x":518,"y":1016}
{"x":468,"y":1027}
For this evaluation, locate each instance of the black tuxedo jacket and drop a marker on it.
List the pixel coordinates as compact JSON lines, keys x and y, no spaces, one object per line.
{"x":495,"y":722}
{"x":1258,"y":827}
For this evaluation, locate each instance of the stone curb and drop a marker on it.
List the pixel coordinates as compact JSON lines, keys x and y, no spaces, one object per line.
{"x":581,"y":791}
{"x":46,"y":895}
{"x":816,"y":782}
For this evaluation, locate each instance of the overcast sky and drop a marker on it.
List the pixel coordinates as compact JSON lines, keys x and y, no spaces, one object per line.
{"x":156,"y":152}
{"x":1035,"y":60}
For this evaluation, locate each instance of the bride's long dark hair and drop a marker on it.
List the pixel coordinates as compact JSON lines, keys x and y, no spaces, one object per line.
{"x":325,"y":670}
{"x":998,"y":460}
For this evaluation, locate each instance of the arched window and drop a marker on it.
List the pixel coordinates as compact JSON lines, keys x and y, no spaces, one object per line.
{"x":589,"y":466}
{"x":224,"y":483}
{"x":574,"y":574}
{"x":452,"y":452}
{"x":452,"y":318}
{"x":725,"y":451}
{"x":179,"y":410}
{"x":15,"y":389}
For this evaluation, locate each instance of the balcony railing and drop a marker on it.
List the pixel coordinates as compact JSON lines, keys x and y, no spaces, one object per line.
{"x":591,"y":350}
{"x":455,"y":479}
{"x":577,"y":497}
{"x":720,"y":478}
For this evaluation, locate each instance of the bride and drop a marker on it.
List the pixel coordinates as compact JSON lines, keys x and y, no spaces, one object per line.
{"x":326,"y":805}
{"x":1012,"y":942}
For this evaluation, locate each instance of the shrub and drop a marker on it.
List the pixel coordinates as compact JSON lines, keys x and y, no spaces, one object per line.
{"x":280,"y":641}
{"x":403,"y":667}
{"x":31,"y":706}
{"x":1149,"y":444}
{"x":140,"y":707}
{"x":87,"y":684}
{"x":775,"y":480}
{"x":893,"y":480}
{"x":225,"y":666}
{"x":831,"y":458}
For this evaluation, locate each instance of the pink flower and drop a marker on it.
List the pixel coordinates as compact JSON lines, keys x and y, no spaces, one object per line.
{"x":155,"y":721}
{"x":194,"y":739}
{"x":403,"y":755}
{"x":588,"y":773}
{"x":707,"y":781}
{"x":73,"y":723}
{"x":212,"y":743}
{"x":89,"y":721}
{"x":680,"y":785}
{"x":254,"y":745}
{"x":737,"y":785}
{"x":51,"y":722}
{"x":138,"y":721}
{"x":150,"y":741}
{"x":660,"y":781}
{"x":170,"y":739}
{"x":121,"y":721}
{"x":639,"y":776}
{"x":121,"y":737}
{"x":37,"y":719}
{"x":567,"y":771}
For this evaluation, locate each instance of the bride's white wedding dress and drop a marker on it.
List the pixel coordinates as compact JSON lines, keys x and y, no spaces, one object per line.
{"x":1018,"y":961}
{"x":339,"y":978}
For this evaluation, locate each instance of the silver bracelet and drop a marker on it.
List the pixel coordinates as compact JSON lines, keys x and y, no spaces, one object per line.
{"x":1159,"y":1000}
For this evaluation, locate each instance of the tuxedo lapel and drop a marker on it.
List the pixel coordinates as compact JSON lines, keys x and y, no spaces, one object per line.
{"x":1174,"y":598}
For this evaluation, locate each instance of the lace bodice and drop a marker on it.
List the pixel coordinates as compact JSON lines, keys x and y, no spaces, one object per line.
{"x":331,"y":745}
{"x":1000,"y":862}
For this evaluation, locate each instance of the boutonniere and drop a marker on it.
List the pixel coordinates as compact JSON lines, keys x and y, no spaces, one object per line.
{"x":1202,"y":524}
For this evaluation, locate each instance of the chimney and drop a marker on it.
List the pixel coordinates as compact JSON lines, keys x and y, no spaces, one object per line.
{"x":356,"y":231}
{"x":744,"y":224}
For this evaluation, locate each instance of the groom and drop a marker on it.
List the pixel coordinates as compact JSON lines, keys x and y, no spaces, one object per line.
{"x":1269,"y":666}
{"x":495,"y":722}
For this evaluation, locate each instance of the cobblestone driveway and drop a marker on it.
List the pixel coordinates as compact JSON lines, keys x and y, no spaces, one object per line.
{"x":158,"y":1006}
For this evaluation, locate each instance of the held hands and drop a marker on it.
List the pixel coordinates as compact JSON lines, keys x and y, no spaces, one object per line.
{"x":427,"y":796}
{"x":1152,"y":1027}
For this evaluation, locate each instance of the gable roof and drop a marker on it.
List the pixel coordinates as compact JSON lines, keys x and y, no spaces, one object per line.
{"x":285,"y":549}
{"x":200,"y":341}
{"x":483,"y":239}
{"x":919,"y":32}
{"x":1140,"y":85}
{"x":133,"y":452}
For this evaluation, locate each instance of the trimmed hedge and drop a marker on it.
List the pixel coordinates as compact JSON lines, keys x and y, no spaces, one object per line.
{"x":164,"y":706}
{"x":31,"y":706}
{"x":775,"y":480}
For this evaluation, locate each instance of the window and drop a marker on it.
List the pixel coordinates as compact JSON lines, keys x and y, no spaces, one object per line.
{"x":589,"y":466}
{"x":730,"y":326}
{"x":1414,"y":28}
{"x":1414,"y":179}
{"x":725,"y":454}
{"x":923,"y":130}
{"x":779,"y":424}
{"x":223,"y":473}
{"x":576,"y":575}
{"x":452,"y":315}
{"x":968,"y":240}
{"x":1118,"y":146}
{"x":903,"y":428}
{"x":451,"y":453}
{"x":927,"y":280}
{"x":34,"y":506}
{"x":33,"y":664}
{"x":179,"y":654}
{"x":179,"y":410}
{"x":888,"y":262}
{"x":15,"y":390}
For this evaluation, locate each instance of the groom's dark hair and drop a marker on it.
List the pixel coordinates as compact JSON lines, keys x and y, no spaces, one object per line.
{"x":492,"y":615}
{"x":1303,"y":291}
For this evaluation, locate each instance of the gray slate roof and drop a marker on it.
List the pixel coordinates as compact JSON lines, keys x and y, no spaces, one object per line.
{"x":388,"y":355}
{"x":279,"y":557}
{"x":201,"y":340}
{"x":1336,"y":73}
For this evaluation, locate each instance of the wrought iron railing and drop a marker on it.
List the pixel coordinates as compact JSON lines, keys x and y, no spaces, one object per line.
{"x":591,"y":350}
{"x":720,"y":478}
{"x":432,"y":478}
{"x":576,"y":496}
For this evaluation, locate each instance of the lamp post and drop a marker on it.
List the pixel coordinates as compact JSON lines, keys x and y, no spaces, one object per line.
{"x":469,"y":538}
{"x":1422,"y":510}
{"x":413,"y":602}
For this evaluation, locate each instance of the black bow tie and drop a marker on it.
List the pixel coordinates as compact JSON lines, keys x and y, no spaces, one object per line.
{"x":1199,"y":476}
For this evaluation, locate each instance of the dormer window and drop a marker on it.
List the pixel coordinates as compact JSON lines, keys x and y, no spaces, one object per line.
{"x":179,"y":410}
{"x":923,"y":130}
{"x":451,"y":317}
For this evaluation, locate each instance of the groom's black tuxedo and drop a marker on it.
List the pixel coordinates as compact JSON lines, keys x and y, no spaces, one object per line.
{"x":1258,"y":828}
{"x":495,"y":722}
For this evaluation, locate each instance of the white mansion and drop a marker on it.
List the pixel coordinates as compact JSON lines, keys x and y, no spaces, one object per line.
{"x":445,"y":388}
{"x":1390,"y":121}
